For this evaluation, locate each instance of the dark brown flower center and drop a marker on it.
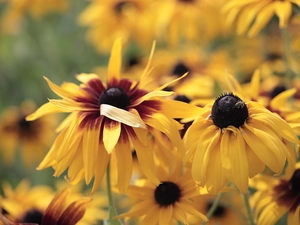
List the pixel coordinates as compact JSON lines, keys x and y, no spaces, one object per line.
{"x":180,"y":69}
{"x":182,"y":98}
{"x":167,"y":193}
{"x":229,"y":110}
{"x":295,"y":181}
{"x":220,"y":211}
{"x":33,"y":216}
{"x":115,"y":96}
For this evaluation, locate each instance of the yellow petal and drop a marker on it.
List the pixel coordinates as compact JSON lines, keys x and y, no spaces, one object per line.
{"x":282,"y":98}
{"x":122,"y":116}
{"x":165,"y":215}
{"x":293,"y":217}
{"x":100,"y":168}
{"x":283,"y":10}
{"x":177,"y":109}
{"x":271,"y":213}
{"x":152,"y":94}
{"x":234,"y":159}
{"x":255,"y":84}
{"x":63,"y":93}
{"x":147,"y":68}
{"x":115,"y":61}
{"x":76,"y":169}
{"x":45,"y":109}
{"x":262,"y":19}
{"x":253,"y":159}
{"x":86,"y":77}
{"x":124,"y":165}
{"x":188,"y":207}
{"x":111,"y":134}
{"x":172,"y":82}
{"x":90,"y":143}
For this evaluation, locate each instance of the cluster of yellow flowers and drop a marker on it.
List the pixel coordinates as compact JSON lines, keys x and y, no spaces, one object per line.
{"x":207,"y":122}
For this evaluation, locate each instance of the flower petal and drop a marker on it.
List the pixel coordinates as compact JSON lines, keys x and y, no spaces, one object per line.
{"x":122,"y":116}
{"x":48,"y":108}
{"x":165,"y":215}
{"x":111,"y":134}
{"x":74,"y":212}
{"x":115,"y":62}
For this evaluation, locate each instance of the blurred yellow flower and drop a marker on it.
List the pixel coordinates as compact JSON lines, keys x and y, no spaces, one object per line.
{"x":253,"y":15}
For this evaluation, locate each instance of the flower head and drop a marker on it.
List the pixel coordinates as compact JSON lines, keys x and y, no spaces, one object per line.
{"x":230,"y":136}
{"x":166,"y":202}
{"x":109,"y":118}
{"x":275,"y":197}
{"x":253,"y":15}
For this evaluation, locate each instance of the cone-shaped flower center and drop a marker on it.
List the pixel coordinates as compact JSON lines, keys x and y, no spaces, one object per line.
{"x":33,"y":216}
{"x":219,"y":211}
{"x":229,"y":109}
{"x":180,"y":69}
{"x":115,"y":96}
{"x":295,"y":181}
{"x":167,"y":193}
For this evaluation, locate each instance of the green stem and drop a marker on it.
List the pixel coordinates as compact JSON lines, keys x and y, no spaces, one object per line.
{"x":248,"y":209}
{"x":111,"y":208}
{"x":214,"y":207}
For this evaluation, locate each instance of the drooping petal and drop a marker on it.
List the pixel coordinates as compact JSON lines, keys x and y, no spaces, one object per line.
{"x":293,"y":217}
{"x":271,"y":213}
{"x":165,"y":215}
{"x":124,"y":165}
{"x":283,"y":10}
{"x":179,"y":214}
{"x":121,"y":116}
{"x":90,"y":143}
{"x":253,"y":159}
{"x":74,"y":212}
{"x":48,"y":108}
{"x":56,"y":207}
{"x":115,"y":62}
{"x":111,"y":134}
{"x":76,"y":168}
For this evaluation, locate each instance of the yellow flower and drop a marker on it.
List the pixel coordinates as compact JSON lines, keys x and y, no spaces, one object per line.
{"x":108,"y":20}
{"x":166,"y":202}
{"x":32,"y":137}
{"x":28,"y":204}
{"x":109,"y":118}
{"x":229,"y":211}
{"x":253,"y":15}
{"x":276,"y":197}
{"x":230,"y":136}
{"x":16,"y":9}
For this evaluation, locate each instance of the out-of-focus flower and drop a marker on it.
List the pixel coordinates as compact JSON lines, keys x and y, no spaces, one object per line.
{"x":15,"y":11}
{"x":111,"y":19}
{"x":166,"y":202}
{"x":277,"y":196}
{"x":229,"y":136}
{"x":26,"y":204}
{"x":110,"y":117}
{"x":178,"y":21}
{"x":231,"y":209}
{"x":32,"y":137}
{"x":253,"y":15}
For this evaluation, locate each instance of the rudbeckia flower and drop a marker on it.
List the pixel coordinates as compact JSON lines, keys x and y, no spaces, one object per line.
{"x":110,"y":118}
{"x":15,"y":11}
{"x":170,"y":200}
{"x":57,"y":213}
{"x":230,"y":210}
{"x":28,"y":204}
{"x":32,"y":138}
{"x":232,"y":135}
{"x":108,"y":20}
{"x":277,"y":196}
{"x":253,"y":15}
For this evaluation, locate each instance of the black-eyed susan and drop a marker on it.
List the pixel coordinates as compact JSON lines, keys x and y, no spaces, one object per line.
{"x":31,"y":137}
{"x":107,"y":117}
{"x":229,"y":136}
{"x":230,"y":210}
{"x":108,"y":20}
{"x":253,"y":15}
{"x":26,"y":204}
{"x":178,"y":21}
{"x":276,"y":197}
{"x":166,"y":202}
{"x":15,"y":11}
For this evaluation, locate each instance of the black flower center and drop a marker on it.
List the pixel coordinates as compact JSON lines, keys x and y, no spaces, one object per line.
{"x":182,"y":98}
{"x":23,"y":124}
{"x":277,"y":90}
{"x":229,"y":109}
{"x":180,"y":69}
{"x":115,"y":96}
{"x":33,"y":216}
{"x":167,"y":193}
{"x":219,"y":211}
{"x":295,"y":181}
